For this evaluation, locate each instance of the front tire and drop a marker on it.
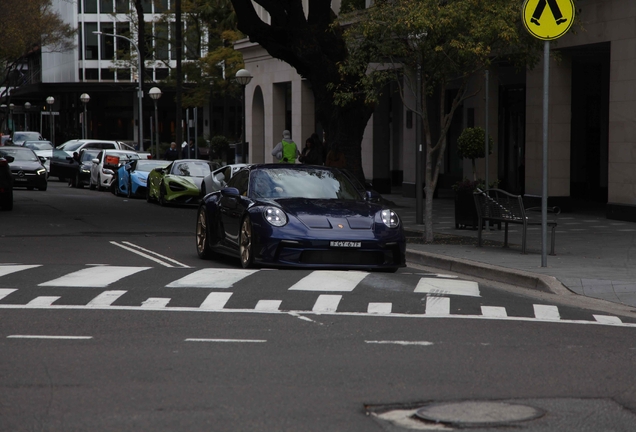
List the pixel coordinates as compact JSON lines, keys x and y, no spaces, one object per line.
{"x":245,"y":244}
{"x":162,"y":195}
{"x":203,"y":248}
{"x":129,"y":190}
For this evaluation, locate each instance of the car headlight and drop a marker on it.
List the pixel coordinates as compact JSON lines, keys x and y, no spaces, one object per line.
{"x":86,"y":171}
{"x":41,"y":171}
{"x":108,"y":171}
{"x":275,"y":216}
{"x":390,"y":218}
{"x":142,"y":181}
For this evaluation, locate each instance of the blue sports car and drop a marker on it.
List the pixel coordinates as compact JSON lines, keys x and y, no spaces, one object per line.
{"x":286,"y":215}
{"x":133,"y":177}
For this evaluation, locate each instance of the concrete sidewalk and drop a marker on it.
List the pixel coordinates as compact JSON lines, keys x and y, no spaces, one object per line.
{"x":595,"y":256}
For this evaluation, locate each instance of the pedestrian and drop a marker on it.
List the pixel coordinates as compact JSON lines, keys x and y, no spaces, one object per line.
{"x":172,"y":153}
{"x":286,"y":150}
{"x":312,"y":153}
{"x":336,"y":157}
{"x":319,"y":147}
{"x":188,"y":150}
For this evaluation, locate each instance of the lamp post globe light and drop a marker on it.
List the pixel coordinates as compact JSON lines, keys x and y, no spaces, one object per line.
{"x":27,"y":107}
{"x":85,"y":98}
{"x":155,"y":94}
{"x":140,"y":94}
{"x":243,"y":77}
{"x":50,"y":101}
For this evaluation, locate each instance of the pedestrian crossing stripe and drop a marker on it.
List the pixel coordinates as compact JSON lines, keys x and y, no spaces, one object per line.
{"x":436,"y":307}
{"x":448,"y":287}
{"x":94,"y":277}
{"x":212,"y":278}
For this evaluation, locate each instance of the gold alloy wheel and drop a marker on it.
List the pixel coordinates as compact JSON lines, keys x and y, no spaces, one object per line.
{"x":245,"y":243}
{"x":201,"y":233}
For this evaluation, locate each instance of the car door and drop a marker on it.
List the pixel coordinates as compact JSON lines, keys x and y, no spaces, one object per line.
{"x":95,"y":167}
{"x":232,"y":209}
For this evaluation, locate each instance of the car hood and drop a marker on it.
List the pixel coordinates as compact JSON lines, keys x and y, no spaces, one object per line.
{"x":25,"y":165}
{"x":44,"y":153}
{"x":329,"y":213}
{"x":186,"y":181}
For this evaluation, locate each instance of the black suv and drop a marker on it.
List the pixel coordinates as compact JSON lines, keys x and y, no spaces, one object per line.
{"x":6,"y":182}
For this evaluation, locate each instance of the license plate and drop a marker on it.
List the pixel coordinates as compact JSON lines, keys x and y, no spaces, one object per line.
{"x":20,"y":179}
{"x":345,"y":244}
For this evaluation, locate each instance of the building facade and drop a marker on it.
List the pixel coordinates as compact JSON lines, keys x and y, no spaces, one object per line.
{"x":592,"y":124}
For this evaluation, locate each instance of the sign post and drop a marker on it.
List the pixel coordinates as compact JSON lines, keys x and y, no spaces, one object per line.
{"x":546,"y":20}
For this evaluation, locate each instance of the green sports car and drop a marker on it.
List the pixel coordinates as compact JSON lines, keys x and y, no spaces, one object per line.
{"x":178,"y":183}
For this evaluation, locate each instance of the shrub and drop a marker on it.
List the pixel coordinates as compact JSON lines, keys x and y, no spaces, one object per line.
{"x":470,"y":145}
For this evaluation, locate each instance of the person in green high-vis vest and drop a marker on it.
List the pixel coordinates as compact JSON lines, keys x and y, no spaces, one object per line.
{"x":286,"y":151}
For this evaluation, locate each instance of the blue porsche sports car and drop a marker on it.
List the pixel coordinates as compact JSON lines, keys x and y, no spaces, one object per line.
{"x":132,"y":177}
{"x":299,"y":216}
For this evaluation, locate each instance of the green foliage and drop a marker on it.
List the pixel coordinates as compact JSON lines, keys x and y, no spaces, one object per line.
{"x":219,"y":144}
{"x":471,"y":144}
{"x":351,"y":5}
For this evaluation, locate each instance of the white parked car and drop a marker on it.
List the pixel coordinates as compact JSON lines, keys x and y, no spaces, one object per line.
{"x":218,"y":178}
{"x":105,"y":166}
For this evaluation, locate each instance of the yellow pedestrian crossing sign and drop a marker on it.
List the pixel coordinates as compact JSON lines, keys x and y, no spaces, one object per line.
{"x":548,"y":19}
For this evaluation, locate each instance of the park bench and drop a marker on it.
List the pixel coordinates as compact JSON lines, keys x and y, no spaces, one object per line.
{"x":496,"y":205}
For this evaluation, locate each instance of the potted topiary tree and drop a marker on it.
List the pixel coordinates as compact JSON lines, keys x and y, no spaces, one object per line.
{"x":470,"y":145}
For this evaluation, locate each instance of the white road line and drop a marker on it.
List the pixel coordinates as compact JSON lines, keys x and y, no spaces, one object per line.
{"x":448,"y":287}
{"x":380,"y":308}
{"x":212,"y":278}
{"x":546,"y":312}
{"x":94,"y":277}
{"x":106,"y":298}
{"x":268,"y":305}
{"x":493,"y":311}
{"x":327,"y":303}
{"x":5,"y":292}
{"x":421,"y":343}
{"x":48,"y":337}
{"x":165,"y":258}
{"x":215,"y":301}
{"x":8,"y":269}
{"x":330,"y":280}
{"x":151,"y":258}
{"x":437,"y":306}
{"x":606,"y":319}
{"x":226,"y":340}
{"x":155,"y":302}
{"x":43,"y":301}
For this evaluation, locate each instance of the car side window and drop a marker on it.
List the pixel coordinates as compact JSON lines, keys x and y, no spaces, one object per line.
{"x":240,"y":182}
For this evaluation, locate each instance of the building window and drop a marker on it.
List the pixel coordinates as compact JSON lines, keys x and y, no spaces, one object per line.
{"x":92,"y":74}
{"x":106,"y":6}
{"x":122,"y":6}
{"x":108,"y":42}
{"x":161,"y":41}
{"x":108,"y":75}
{"x":80,"y":39}
{"x":122,"y":44}
{"x":161,"y":74}
{"x":161,"y":6}
{"x":192,"y":41}
{"x":90,"y":6}
{"x":123,"y":74}
{"x":90,"y":41}
{"x":147,"y":5}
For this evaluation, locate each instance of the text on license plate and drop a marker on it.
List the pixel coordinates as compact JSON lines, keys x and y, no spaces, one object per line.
{"x":345,"y":244}
{"x":20,"y":179}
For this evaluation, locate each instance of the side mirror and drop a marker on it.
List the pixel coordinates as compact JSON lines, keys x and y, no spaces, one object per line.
{"x":96,"y":161}
{"x":9,"y":159}
{"x":230,"y":192}
{"x":42,"y":159}
{"x":371,"y":196}
{"x":159,"y":170}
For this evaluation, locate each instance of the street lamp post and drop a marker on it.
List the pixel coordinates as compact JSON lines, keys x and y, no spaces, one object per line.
{"x":140,"y":81}
{"x":155,"y":94}
{"x":243,"y":77}
{"x":51,"y":100}
{"x":85,"y":98}
{"x":27,"y":107}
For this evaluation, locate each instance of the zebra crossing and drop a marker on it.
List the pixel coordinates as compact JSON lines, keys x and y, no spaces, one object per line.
{"x":322,"y":292}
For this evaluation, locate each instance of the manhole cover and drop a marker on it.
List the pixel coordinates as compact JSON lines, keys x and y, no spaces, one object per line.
{"x":476,"y":413}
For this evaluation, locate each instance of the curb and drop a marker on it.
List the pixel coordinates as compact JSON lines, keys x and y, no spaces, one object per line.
{"x":491,"y":272}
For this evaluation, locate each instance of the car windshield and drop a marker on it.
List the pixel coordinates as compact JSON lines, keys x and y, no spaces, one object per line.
{"x":19,"y":154}
{"x":38,"y":145}
{"x":70,"y":146}
{"x":147,"y":166}
{"x":313,"y":183}
{"x":191,"y":169}
{"x":23,"y":136}
{"x":88,"y":155}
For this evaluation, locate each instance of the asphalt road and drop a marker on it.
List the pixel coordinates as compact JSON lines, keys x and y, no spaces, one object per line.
{"x":274,"y":355}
